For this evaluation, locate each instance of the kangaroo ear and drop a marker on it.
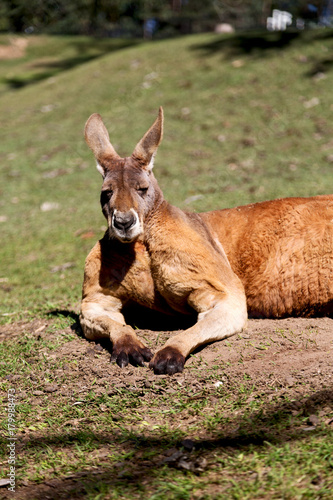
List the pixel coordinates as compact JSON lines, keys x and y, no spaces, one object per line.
{"x":97,"y":138}
{"x":146,"y":149}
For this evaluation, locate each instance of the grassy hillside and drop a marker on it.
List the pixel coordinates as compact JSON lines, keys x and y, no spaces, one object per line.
{"x":246,"y":119}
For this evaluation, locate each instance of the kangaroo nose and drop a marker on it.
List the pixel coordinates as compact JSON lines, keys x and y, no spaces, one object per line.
{"x":123,"y":221}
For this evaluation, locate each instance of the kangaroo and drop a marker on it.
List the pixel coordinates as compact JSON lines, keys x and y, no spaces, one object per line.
{"x":269,"y":259}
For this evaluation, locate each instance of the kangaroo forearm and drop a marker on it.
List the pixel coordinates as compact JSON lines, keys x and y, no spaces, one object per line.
{"x":99,"y":319}
{"x":225,"y":319}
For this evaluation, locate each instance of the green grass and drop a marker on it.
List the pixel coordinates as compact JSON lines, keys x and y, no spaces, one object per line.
{"x":244,"y":121}
{"x":233,"y":135}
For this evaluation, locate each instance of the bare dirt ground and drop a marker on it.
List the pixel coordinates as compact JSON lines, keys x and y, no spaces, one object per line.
{"x":15,"y":49}
{"x":290,"y":358}
{"x":281,"y":350}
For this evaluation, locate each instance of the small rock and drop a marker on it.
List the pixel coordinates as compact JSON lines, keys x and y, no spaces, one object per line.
{"x":319,"y":76}
{"x":38,"y":393}
{"x":183,"y":464}
{"x":40,"y":329}
{"x":313,"y":420}
{"x":47,"y":206}
{"x":22,"y":396}
{"x":62,"y":267}
{"x":185,"y":112}
{"x":54,"y":173}
{"x":238,"y":63}
{"x":4,"y":482}
{"x":170,"y":452}
{"x":173,"y":458}
{"x":50,"y":388}
{"x":201,"y":464}
{"x":47,"y":108}
{"x":312,"y":103}
{"x":289,"y":381}
{"x":303,"y":59}
{"x":97,"y":371}
{"x":308,"y":429}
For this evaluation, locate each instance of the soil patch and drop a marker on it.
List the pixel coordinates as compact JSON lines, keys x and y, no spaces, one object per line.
{"x":279,"y":350}
{"x":15,"y":49}
{"x":289,"y":361}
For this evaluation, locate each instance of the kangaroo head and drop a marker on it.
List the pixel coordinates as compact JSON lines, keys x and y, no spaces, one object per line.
{"x":129,"y":191}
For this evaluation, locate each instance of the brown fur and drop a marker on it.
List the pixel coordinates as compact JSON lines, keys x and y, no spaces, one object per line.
{"x":277,"y":253}
{"x":282,"y":250}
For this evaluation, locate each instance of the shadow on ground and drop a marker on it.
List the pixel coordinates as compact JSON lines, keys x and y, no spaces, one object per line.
{"x":135,"y":474}
{"x":138,"y":317}
{"x":249,"y":43}
{"x":86,"y":52}
{"x":260,"y":44}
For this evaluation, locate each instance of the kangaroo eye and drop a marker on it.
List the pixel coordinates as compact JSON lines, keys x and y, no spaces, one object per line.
{"x":106,"y":195}
{"x":142,"y":190}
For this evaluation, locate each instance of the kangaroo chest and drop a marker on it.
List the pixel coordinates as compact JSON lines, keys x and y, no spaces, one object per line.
{"x":126,"y":274}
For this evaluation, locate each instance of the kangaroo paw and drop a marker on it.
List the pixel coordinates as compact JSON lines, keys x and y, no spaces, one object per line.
{"x":130,"y":351}
{"x":168,"y":360}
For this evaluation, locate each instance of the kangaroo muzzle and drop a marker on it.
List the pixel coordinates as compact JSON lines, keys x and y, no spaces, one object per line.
{"x":126,"y":226}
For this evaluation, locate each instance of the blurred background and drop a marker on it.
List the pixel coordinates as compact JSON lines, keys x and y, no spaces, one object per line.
{"x":155,"y":18}
{"x":246,"y":88}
